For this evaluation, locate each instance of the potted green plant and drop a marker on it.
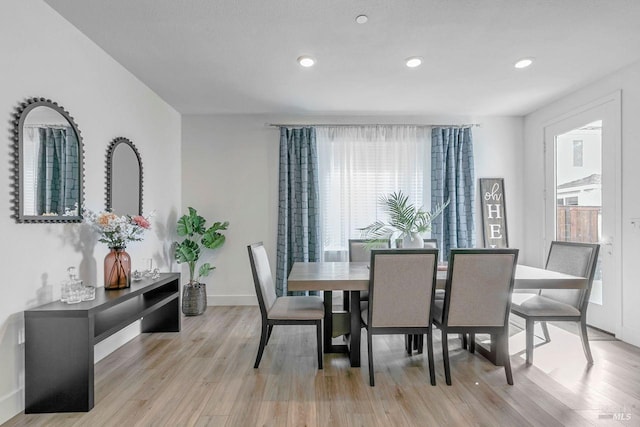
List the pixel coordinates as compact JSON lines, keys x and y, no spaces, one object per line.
{"x":406,"y":221}
{"x":196,"y":238}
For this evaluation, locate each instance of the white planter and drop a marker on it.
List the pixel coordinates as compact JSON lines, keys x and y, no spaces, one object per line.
{"x":412,"y":241}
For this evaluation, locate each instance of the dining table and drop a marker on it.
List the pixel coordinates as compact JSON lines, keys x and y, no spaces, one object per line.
{"x":353,"y":277}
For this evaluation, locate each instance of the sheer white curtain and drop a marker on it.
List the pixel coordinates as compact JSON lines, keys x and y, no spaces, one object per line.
{"x":357,"y":165}
{"x":31,"y":152}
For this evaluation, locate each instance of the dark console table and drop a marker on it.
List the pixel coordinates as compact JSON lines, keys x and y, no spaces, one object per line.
{"x":59,"y":339}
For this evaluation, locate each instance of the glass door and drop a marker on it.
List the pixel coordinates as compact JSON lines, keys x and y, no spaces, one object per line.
{"x":578,"y":191}
{"x":583,"y":190}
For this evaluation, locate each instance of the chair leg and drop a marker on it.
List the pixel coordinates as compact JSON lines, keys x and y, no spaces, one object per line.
{"x":420,"y":339}
{"x":270,"y":329}
{"x":463,"y":338}
{"x":445,"y":357}
{"x":345,"y":300}
{"x":503,"y":346}
{"x":370,"y":355}
{"x":472,"y":343}
{"x":545,"y":331}
{"x":529,"y":332}
{"x":585,"y":341}
{"x":408,"y":343}
{"x":432,"y":371}
{"x":319,"y":337}
{"x":263,"y":343}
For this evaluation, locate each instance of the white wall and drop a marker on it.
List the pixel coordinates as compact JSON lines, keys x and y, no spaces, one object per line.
{"x":44,"y":56}
{"x":230,"y":172}
{"x":628,"y":81}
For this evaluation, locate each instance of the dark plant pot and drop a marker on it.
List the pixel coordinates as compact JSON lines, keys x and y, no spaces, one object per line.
{"x":194,"y":299}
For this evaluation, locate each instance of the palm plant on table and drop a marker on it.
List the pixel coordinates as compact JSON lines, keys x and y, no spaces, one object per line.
{"x":197,"y":239}
{"x":405,"y":220}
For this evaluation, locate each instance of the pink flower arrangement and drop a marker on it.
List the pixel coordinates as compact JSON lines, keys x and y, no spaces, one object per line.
{"x":116,"y":231}
{"x":141,"y":221}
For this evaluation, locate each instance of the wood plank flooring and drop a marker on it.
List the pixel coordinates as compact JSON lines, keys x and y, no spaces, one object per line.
{"x":204,"y":376}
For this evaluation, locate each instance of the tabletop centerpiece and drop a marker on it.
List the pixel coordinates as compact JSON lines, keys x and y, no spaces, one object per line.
{"x":116,"y":231}
{"x":406,"y":221}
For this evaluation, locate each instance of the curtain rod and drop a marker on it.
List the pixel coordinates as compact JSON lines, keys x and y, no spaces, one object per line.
{"x":468,"y":125}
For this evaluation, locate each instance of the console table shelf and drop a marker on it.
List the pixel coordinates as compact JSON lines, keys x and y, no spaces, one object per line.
{"x":59,"y":339}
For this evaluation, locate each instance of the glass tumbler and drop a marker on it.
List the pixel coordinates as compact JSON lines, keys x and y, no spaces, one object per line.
{"x":88,"y":293}
{"x":148,"y":267}
{"x":75,"y":293}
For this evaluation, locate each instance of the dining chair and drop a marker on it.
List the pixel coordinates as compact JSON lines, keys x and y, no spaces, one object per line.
{"x":416,"y":342}
{"x":401,"y":285}
{"x":285,"y":310}
{"x":477,"y":299}
{"x":576,"y":259}
{"x":428,"y":243}
{"x":360,"y":251}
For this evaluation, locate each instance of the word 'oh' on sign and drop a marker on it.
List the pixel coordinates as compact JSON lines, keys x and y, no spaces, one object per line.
{"x":494,"y":215}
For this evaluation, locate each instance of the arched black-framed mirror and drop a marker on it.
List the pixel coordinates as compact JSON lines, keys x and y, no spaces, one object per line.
{"x":48,"y":164}
{"x":124,"y":178}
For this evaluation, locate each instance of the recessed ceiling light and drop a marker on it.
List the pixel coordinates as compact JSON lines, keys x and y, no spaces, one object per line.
{"x":413,"y":62}
{"x":362,"y":19}
{"x":306,"y":61}
{"x":523,"y":63}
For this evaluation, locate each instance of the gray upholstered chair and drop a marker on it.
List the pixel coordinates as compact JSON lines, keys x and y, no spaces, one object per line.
{"x":360,"y":251}
{"x":289,"y":310}
{"x":431,"y":243}
{"x":576,"y":259}
{"x":401,"y":289}
{"x":477,"y":299}
{"x":428,"y":243}
{"x":416,"y":342}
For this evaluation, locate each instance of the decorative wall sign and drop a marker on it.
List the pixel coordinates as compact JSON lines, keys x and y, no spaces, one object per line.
{"x":494,"y":213}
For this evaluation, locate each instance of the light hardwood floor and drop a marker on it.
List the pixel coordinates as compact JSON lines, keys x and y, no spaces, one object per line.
{"x":204,"y":376}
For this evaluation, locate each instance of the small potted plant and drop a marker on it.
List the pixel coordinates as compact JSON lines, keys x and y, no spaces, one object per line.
{"x":406,"y":221}
{"x":197,"y":238}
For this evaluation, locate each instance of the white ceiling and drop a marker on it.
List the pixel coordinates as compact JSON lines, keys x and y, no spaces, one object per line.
{"x":239,"y":56}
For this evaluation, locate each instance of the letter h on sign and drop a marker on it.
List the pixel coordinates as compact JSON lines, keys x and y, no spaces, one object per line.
{"x":494,"y":217}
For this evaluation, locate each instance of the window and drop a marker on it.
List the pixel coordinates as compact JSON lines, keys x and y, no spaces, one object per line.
{"x":577,"y":153}
{"x":571,"y":201}
{"x":30,"y":173}
{"x":359,"y":164}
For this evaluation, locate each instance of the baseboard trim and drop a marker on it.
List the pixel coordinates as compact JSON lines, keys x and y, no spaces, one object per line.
{"x":232,"y":300}
{"x":630,"y":336}
{"x":115,"y":341}
{"x":11,"y":404}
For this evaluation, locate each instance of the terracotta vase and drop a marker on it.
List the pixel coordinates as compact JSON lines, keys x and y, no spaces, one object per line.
{"x":117,"y":269}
